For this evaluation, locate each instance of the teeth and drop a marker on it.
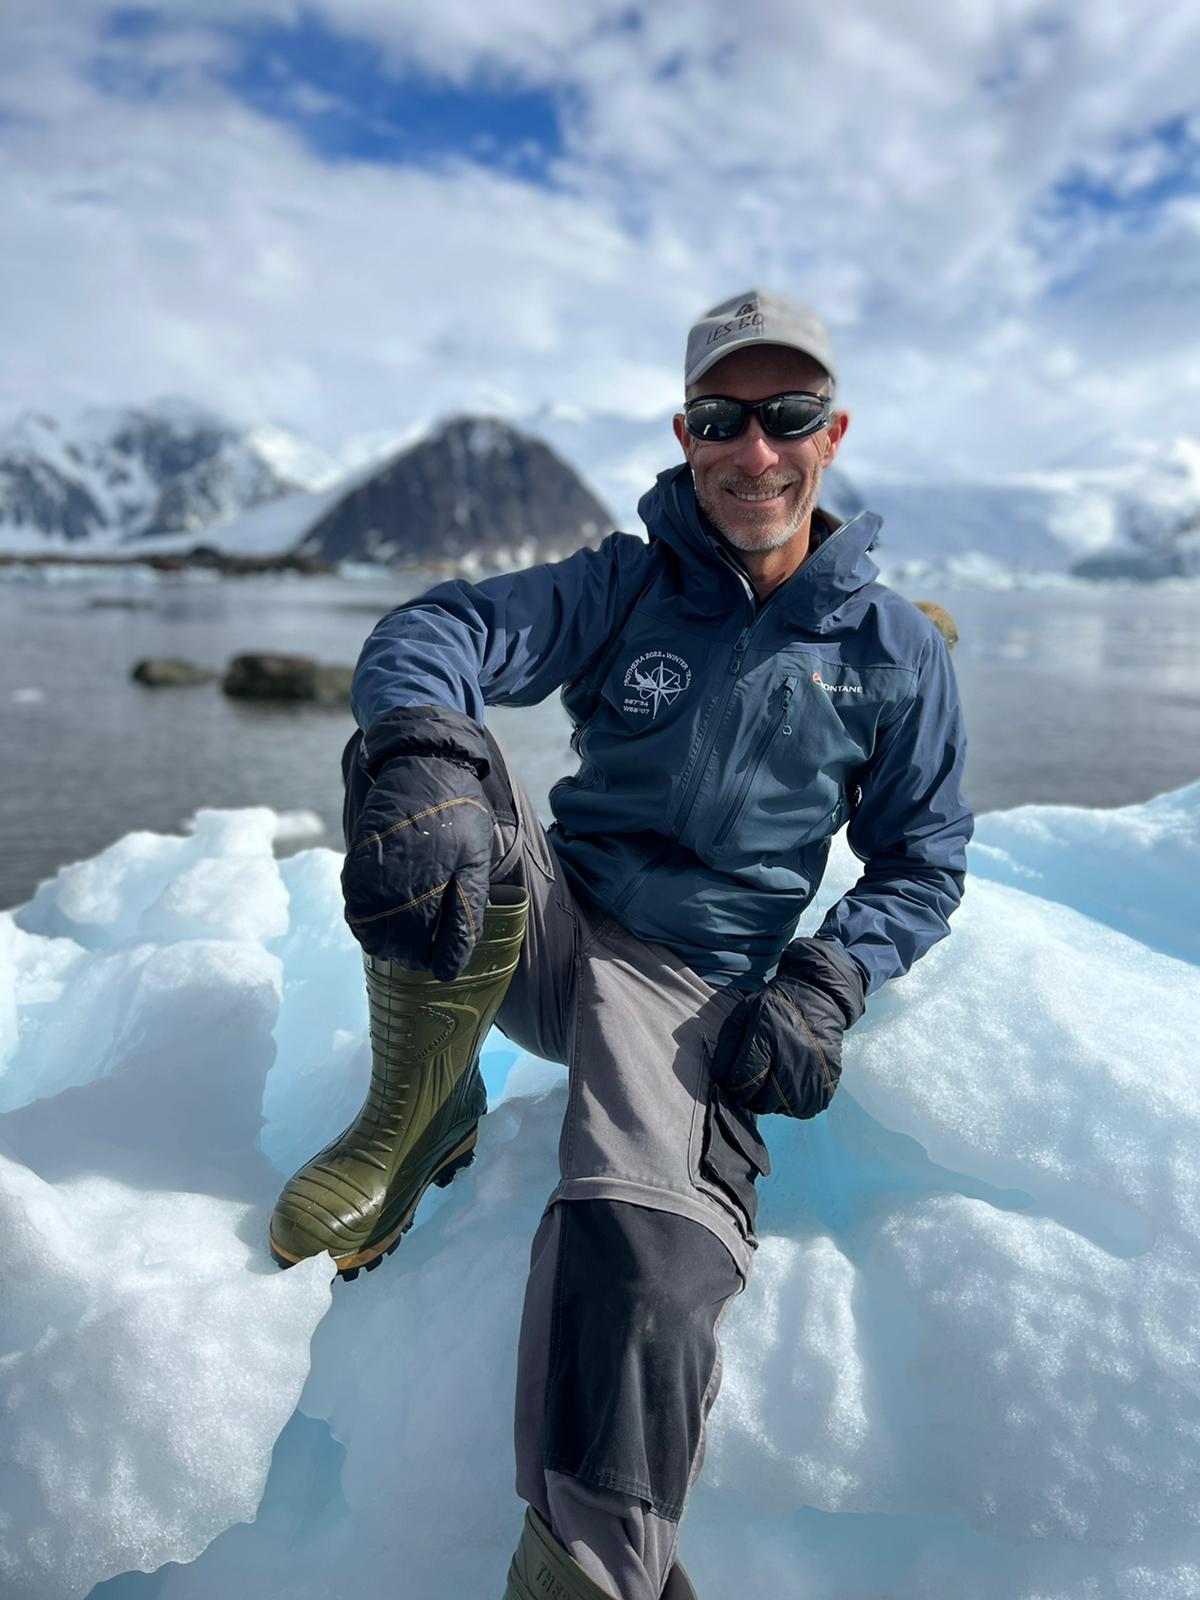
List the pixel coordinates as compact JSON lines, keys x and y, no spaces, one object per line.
{"x":741,"y":496}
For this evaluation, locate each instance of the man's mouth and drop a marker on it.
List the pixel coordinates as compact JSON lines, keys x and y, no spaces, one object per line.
{"x":756,"y":496}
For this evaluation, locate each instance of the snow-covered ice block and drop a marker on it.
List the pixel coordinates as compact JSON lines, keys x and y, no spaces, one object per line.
{"x":964,"y":1365}
{"x":221,"y":882}
{"x":1135,"y":867}
{"x":148,"y":1361}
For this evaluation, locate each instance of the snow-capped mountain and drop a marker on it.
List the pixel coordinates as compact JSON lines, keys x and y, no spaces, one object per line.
{"x":117,"y":475}
{"x":171,"y":475}
{"x":474,"y":489}
{"x":1138,"y":518}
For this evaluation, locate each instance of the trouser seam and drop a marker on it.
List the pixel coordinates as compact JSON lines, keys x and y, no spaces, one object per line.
{"x":669,"y":1510}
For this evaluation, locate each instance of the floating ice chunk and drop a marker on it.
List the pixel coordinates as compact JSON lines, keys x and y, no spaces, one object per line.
{"x":964,"y":1365}
{"x":1134,"y":867}
{"x":172,"y":1095}
{"x":291,"y":825}
{"x":323,"y":1059}
{"x":148,"y":1363}
{"x":797,"y":1425}
{"x":222,"y":882}
{"x":1036,"y":1049}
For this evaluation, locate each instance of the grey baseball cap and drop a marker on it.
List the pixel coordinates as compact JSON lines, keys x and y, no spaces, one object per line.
{"x":755,"y":317}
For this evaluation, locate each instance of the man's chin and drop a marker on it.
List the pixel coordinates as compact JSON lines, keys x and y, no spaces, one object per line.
{"x":753,"y":539}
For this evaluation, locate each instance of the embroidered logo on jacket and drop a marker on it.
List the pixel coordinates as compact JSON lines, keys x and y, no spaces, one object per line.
{"x":837,"y":688}
{"x":659,"y":678}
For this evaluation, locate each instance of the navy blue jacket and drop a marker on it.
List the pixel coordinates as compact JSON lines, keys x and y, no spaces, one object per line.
{"x":722,"y":741}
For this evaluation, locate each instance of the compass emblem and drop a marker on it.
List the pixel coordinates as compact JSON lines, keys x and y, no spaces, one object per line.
{"x":657,"y":678}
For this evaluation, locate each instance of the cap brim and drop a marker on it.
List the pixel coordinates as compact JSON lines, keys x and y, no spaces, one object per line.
{"x":713,"y":356}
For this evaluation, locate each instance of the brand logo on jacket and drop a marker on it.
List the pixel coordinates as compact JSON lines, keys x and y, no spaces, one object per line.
{"x":659,"y":678}
{"x":837,"y":688}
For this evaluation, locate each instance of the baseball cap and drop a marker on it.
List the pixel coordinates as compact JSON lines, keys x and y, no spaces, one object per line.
{"x":755,"y":317}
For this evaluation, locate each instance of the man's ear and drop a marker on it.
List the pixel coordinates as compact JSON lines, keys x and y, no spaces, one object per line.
{"x":834,"y":435}
{"x":681,"y":433}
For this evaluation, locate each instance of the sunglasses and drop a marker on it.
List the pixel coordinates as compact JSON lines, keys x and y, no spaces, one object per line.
{"x":717,"y":418}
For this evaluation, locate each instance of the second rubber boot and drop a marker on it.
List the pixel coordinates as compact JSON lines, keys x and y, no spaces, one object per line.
{"x":418,"y":1124}
{"x":679,"y":1585}
{"x":541,"y":1567}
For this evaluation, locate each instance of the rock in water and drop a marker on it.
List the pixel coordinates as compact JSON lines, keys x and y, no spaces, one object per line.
{"x":170,"y":672}
{"x":282,"y":677}
{"x":268,"y":677}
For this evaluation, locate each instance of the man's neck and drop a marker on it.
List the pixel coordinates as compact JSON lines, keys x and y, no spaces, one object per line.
{"x":768,"y":569}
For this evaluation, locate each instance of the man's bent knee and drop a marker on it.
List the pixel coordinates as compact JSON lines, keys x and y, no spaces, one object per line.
{"x":632,"y":1360}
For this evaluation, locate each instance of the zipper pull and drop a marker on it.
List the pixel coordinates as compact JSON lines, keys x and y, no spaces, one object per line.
{"x":789,"y":687}
{"x":739,"y":646}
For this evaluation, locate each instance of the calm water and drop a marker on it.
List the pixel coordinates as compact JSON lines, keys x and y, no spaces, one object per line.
{"x":1090,"y":697}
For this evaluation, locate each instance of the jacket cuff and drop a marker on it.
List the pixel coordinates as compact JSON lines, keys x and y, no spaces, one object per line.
{"x":426,"y":731}
{"x":829,"y":967}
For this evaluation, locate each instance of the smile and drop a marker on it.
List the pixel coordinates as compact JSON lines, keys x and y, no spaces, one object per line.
{"x":756,"y":499}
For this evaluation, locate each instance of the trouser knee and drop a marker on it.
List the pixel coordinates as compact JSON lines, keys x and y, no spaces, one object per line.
{"x":633,"y":1362}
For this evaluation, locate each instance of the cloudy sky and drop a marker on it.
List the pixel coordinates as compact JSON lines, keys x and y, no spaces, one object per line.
{"x":351,"y":218}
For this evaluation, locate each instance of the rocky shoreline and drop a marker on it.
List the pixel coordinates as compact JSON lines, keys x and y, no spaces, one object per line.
{"x":201,"y":557}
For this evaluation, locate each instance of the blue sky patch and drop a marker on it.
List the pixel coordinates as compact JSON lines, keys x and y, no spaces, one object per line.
{"x":349,"y":103}
{"x":1145,"y":173}
{"x":133,"y":22}
{"x":345,"y":97}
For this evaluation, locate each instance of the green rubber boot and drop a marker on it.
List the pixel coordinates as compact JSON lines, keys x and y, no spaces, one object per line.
{"x":418,"y":1123}
{"x":541,"y":1567}
{"x":679,"y":1585}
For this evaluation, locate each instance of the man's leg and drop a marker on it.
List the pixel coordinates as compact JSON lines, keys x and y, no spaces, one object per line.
{"x":618,"y":1369}
{"x":644,"y":1245}
{"x":538,"y":1005}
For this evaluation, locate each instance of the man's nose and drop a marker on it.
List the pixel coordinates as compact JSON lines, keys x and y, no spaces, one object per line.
{"x":756,"y":452}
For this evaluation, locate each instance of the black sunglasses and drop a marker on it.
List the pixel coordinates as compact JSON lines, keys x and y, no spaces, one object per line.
{"x":715,"y":417}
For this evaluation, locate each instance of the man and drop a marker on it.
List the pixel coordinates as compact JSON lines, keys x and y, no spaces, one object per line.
{"x":740,"y":686}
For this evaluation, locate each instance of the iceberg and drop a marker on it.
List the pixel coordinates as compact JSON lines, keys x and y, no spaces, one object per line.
{"x":965,"y":1364}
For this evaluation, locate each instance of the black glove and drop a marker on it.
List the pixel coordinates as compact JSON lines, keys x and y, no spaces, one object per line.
{"x":416,"y":874}
{"x":781,"y":1050}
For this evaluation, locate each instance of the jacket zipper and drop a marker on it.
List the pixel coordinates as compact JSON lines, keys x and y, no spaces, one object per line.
{"x":688,"y":802}
{"x":689,"y":799}
{"x":621,"y":900}
{"x":778,"y":721}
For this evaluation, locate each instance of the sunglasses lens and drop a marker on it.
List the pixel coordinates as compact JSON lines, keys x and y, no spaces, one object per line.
{"x":714,"y":418}
{"x":793,"y":416}
{"x":784,"y":416}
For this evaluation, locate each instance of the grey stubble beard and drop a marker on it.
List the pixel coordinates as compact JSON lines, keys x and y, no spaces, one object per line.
{"x":741,"y":540}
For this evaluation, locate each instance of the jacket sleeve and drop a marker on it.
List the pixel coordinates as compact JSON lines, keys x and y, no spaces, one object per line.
{"x":910,"y":829}
{"x":509,"y":640}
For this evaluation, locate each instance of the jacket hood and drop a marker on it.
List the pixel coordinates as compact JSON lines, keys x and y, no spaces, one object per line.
{"x":838,"y":568}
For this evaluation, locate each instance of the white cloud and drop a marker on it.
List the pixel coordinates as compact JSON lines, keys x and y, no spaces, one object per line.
{"x":899,"y":170}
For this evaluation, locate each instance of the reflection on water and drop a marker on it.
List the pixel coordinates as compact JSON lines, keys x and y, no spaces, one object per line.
{"x":1085,"y":696}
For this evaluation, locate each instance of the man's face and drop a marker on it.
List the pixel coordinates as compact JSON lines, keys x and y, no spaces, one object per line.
{"x":758,"y":491}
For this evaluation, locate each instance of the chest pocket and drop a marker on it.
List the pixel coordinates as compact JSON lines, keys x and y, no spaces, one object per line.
{"x":777,"y":727}
{"x":780,"y":779}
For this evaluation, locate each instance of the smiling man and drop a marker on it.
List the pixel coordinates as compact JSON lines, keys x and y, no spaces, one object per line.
{"x":740,"y":686}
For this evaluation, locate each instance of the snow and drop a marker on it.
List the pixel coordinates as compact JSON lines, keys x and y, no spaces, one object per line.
{"x":102,"y":454}
{"x":1035,"y":522}
{"x":965,"y":1364}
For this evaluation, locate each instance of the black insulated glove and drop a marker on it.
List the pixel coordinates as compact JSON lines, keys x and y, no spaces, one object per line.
{"x":416,"y":874}
{"x":781,"y":1050}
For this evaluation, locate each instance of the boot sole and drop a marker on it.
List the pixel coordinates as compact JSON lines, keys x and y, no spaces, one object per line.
{"x":372,"y":1255}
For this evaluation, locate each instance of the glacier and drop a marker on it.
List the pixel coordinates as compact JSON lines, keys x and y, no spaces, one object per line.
{"x":965,"y":1365}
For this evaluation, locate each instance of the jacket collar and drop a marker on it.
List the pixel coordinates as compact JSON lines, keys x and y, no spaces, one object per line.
{"x":838,"y":568}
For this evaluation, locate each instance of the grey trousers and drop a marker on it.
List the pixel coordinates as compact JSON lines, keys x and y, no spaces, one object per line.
{"x":648,"y":1235}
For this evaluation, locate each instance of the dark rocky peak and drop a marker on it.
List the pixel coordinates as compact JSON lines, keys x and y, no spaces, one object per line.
{"x":475,"y":488}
